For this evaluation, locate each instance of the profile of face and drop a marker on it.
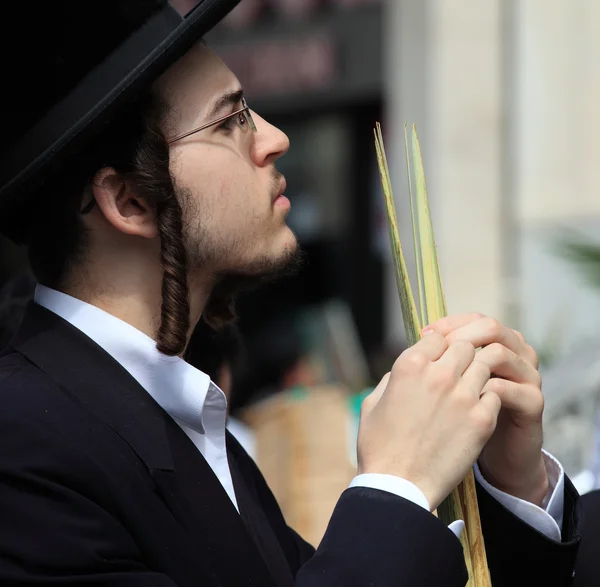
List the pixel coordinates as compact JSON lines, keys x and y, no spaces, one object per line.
{"x":234,"y":210}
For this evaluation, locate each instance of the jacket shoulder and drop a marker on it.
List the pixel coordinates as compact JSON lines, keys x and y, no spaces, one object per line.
{"x":25,"y":390}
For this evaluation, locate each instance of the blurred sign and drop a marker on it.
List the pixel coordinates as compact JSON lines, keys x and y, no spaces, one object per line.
{"x":249,"y":12}
{"x":296,"y":8}
{"x":244,"y":14}
{"x":284,"y":66}
{"x":301,"y":64}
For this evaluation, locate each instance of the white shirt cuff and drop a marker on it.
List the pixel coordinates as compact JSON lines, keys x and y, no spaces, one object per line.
{"x":547,"y":519}
{"x":392,"y":484}
{"x":402,"y":488}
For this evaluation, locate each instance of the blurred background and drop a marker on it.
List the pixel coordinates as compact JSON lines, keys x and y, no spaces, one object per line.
{"x":506,"y":96}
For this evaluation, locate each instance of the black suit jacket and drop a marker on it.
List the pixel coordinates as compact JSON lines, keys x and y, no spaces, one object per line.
{"x":100,"y":487}
{"x":587,"y":571}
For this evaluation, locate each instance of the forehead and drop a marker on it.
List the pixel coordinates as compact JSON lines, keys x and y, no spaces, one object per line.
{"x":194,"y":81}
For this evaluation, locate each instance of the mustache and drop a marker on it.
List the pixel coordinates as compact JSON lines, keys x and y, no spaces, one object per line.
{"x":276,"y":178}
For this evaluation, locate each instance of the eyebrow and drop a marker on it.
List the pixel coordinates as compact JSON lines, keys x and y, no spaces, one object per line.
{"x":228,"y":99}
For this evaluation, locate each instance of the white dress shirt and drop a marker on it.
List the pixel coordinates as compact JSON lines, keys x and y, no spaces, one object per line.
{"x":199,"y":407}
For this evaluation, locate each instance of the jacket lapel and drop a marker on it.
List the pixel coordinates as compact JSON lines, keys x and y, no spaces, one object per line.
{"x":205,"y":505}
{"x":256,"y":520}
{"x":181,"y":475}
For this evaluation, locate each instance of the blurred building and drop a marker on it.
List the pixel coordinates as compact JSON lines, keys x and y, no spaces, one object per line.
{"x":505,"y":95}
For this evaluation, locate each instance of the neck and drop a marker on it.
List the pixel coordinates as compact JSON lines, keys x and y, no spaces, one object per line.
{"x":135,"y":295}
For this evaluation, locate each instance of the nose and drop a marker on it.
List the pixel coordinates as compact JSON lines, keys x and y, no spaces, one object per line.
{"x":270,"y":143}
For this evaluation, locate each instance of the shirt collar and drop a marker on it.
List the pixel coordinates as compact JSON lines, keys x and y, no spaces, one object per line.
{"x":179,"y":388}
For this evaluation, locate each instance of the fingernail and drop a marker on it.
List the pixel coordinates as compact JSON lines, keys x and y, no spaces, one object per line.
{"x":427,"y":331}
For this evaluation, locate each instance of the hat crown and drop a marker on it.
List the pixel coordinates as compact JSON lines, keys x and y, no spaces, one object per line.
{"x":68,"y":67}
{"x":65,"y":40}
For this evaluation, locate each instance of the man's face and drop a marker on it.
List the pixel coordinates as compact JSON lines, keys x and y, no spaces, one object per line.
{"x":225,"y":175}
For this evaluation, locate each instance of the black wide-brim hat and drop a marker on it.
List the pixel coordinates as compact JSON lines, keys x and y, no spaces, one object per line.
{"x":68,"y":66}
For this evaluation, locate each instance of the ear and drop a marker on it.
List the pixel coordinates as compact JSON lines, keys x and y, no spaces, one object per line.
{"x":127,"y":211}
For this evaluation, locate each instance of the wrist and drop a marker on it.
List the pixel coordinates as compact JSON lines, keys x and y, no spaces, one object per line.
{"x":531,"y":486}
{"x":431,"y":497}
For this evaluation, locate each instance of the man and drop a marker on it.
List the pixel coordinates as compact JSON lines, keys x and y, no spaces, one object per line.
{"x":147,"y":194}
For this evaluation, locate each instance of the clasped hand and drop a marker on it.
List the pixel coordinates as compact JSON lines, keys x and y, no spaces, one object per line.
{"x":446,"y":405}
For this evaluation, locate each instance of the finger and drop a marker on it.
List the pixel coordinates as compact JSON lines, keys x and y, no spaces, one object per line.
{"x":518,"y":334}
{"x":475,"y":377}
{"x":446,"y":325}
{"x":373,"y":398}
{"x":526,"y":400}
{"x":528,"y":353}
{"x":485,"y":331}
{"x":489,"y":407}
{"x":457,"y":358}
{"x":430,"y":347}
{"x":506,"y":364}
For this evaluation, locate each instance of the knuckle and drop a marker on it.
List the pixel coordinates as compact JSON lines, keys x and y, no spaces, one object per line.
{"x":462,"y":400}
{"x":533,"y":357}
{"x":518,"y":334}
{"x":417,"y":360}
{"x":499,"y":353}
{"x":410,"y":361}
{"x":442,"y":377}
{"x":482,"y":368}
{"x":464,"y":348}
{"x":485,"y":421}
{"x":497,"y":385}
{"x":434,"y":337}
{"x":494,"y":327}
{"x":538,"y":402}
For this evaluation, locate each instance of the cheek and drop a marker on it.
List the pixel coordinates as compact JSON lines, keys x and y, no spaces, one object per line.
{"x":225,"y":191}
{"x":237,"y":200}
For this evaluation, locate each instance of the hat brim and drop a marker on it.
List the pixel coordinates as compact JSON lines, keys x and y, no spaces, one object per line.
{"x":135,"y":65}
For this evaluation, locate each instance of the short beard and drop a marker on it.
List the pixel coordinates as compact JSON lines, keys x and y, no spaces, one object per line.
{"x":220,"y":307}
{"x":202,"y":254}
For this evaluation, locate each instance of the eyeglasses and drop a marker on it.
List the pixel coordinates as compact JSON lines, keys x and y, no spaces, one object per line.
{"x":244,"y":117}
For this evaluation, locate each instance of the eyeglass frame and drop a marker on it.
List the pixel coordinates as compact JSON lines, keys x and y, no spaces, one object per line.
{"x":245,"y":109}
{"x":88,"y":207}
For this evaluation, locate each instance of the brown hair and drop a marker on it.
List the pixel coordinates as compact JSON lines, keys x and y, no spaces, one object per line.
{"x":134,"y":145}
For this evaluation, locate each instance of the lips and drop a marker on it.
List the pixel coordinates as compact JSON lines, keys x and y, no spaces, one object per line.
{"x":280,"y":190}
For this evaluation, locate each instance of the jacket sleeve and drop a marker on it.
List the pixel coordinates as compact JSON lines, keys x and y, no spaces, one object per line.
{"x":373,"y":538}
{"x":376,"y":538}
{"x":379,"y":537}
{"x":52,"y":532}
{"x":518,"y":555}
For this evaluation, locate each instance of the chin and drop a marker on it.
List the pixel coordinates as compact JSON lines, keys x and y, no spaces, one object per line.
{"x":290,"y":240}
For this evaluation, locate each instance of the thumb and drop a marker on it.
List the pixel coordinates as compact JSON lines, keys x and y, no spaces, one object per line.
{"x":373,"y":398}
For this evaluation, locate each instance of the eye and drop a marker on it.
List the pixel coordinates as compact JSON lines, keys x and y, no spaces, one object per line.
{"x":241,"y":119}
{"x":227,"y":124}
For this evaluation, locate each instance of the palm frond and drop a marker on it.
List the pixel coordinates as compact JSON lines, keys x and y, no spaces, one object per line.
{"x":462,"y":502}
